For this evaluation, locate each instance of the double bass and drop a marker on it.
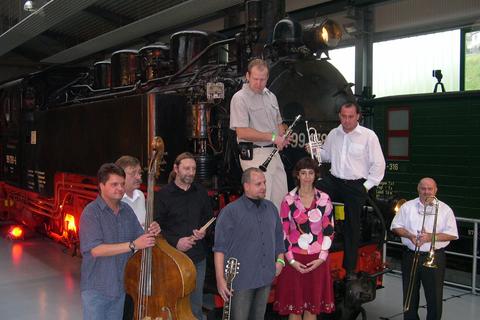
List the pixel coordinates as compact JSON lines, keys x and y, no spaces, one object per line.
{"x":159,"y":279}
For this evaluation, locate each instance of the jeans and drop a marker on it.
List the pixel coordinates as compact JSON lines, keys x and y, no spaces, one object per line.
{"x":97,"y":306}
{"x":196,"y":297}
{"x":250,"y":304}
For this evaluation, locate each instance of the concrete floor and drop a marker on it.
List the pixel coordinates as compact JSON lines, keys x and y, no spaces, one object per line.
{"x":458,"y":304}
{"x":40,"y":280}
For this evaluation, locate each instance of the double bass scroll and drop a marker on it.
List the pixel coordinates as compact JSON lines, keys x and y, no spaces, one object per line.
{"x":159,"y":279}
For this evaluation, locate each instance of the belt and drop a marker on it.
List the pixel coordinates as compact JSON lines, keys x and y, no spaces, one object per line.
{"x":362,"y":180}
{"x":267,"y":146}
{"x":422,"y":253}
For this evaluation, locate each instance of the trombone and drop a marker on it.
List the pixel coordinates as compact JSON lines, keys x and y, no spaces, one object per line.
{"x":314,"y":143}
{"x":430,"y":260}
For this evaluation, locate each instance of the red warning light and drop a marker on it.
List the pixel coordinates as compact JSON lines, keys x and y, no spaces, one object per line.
{"x":15,"y":232}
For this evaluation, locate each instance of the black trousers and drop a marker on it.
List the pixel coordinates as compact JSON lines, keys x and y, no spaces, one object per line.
{"x":430,"y":278}
{"x":353,"y":194}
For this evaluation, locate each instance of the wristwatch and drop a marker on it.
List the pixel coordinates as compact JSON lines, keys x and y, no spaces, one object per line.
{"x":131,"y":245}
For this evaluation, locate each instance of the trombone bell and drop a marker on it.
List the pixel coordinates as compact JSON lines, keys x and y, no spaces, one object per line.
{"x":430,"y":260}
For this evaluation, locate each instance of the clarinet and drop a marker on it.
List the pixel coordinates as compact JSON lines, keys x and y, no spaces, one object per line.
{"x":289,"y":131}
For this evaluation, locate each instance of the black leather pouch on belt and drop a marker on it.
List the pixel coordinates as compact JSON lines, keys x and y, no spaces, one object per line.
{"x":245,"y":149}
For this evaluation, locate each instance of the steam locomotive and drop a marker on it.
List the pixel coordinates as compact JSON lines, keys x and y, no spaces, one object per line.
{"x":59,"y":125}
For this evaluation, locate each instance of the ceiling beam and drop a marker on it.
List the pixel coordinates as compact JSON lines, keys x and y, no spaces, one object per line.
{"x":62,"y":38}
{"x":41,"y":20}
{"x":113,"y":18}
{"x":168,"y":18}
{"x":327,"y":8}
{"x":29,"y":53}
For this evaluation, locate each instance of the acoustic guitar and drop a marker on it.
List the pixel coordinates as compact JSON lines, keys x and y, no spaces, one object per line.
{"x":231,"y":270}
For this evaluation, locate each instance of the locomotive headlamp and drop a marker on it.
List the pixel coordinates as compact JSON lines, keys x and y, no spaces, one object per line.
{"x":326,"y":35}
{"x":331,"y":33}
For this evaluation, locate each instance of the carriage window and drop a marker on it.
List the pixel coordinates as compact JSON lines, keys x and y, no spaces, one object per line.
{"x":398,"y":134}
{"x":472,"y":60}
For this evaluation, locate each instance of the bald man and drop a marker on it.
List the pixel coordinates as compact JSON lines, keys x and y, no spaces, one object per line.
{"x":407,"y":224}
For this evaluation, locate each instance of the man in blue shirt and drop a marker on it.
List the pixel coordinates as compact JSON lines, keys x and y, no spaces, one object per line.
{"x":109,"y":234}
{"x":249,"y":229}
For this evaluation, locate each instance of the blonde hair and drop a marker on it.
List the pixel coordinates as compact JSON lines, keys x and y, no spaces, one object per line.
{"x":257,"y":63}
{"x":127,"y":161}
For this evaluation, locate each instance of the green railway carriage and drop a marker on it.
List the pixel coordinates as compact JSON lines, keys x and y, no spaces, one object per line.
{"x":435,"y":135}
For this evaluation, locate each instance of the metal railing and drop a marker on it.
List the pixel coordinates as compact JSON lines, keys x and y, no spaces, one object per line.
{"x":474,"y":256}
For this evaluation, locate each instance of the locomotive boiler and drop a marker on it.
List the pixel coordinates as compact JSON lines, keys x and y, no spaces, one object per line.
{"x":60,"y":125}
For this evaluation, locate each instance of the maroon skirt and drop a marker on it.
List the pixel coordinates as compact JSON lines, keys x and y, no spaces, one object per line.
{"x":296,"y":292}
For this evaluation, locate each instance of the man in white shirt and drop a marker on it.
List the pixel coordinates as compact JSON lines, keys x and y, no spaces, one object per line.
{"x":407,"y":224}
{"x":133,"y":196}
{"x":357,"y":165}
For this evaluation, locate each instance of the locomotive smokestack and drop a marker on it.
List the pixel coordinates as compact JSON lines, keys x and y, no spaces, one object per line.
{"x":272,"y":12}
{"x":253,"y":15}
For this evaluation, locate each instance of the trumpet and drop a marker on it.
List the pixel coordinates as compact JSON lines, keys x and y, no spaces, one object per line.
{"x":314,"y":143}
{"x":288,"y":132}
{"x":430,"y":259}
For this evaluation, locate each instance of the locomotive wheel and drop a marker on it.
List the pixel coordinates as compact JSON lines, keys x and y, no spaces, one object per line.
{"x":342,"y":312}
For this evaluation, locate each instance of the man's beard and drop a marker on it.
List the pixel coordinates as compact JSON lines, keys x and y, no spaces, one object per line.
{"x":187,"y":179}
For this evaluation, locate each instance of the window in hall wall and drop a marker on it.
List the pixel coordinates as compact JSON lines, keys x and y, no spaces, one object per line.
{"x":404,"y":66}
{"x":472,"y":60}
{"x":344,"y":60}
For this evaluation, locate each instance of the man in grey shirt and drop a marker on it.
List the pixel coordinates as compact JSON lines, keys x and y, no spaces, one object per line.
{"x":255,"y":117}
{"x":249,"y":229}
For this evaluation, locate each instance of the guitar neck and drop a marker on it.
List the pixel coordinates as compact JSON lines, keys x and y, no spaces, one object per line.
{"x":227,"y":304}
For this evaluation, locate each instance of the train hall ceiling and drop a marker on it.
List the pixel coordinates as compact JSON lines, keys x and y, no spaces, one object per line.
{"x":65,"y":31}
{"x":60,"y":31}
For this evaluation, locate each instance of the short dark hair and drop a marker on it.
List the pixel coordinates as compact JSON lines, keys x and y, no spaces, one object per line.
{"x":108,"y":169}
{"x":178,"y":159}
{"x":305,"y":163}
{"x":260,"y":63}
{"x":349,"y":105}
{"x":247,"y":174}
{"x":127,"y":161}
